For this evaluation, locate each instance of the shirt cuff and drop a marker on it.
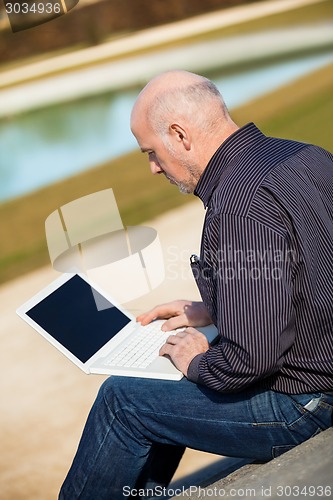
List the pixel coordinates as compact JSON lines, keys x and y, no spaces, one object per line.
{"x":193,"y":369}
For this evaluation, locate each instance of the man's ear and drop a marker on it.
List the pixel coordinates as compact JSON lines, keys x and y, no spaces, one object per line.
{"x":179,"y":134}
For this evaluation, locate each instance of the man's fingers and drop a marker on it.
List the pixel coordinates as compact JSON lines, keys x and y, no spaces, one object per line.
{"x":171,"y":341}
{"x":174,"y":323}
{"x":163,"y":312}
{"x":169,"y":310}
{"x":178,"y":313}
{"x":182,"y":347}
{"x":175,"y":338}
{"x":155,"y":313}
{"x":165,"y":350}
{"x":145,"y":318}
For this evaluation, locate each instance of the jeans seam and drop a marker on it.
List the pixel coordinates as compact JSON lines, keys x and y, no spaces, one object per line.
{"x":88,"y":475}
{"x":115,"y":413}
{"x":269,"y":424}
{"x":194,"y":418}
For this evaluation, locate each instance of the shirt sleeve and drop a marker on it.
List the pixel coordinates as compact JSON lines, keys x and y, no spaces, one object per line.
{"x":250,"y":276}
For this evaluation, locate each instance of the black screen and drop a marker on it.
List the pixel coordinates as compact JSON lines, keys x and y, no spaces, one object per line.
{"x":69,"y":314}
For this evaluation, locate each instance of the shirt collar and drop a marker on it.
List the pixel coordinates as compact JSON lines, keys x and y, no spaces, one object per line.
{"x":232,"y":146}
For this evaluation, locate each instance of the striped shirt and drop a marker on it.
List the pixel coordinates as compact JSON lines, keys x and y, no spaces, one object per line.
{"x":265,"y":271}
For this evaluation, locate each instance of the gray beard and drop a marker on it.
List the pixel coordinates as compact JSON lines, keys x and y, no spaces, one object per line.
{"x":187,"y":187}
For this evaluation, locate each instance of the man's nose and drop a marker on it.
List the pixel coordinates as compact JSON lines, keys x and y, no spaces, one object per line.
{"x":155,"y":167}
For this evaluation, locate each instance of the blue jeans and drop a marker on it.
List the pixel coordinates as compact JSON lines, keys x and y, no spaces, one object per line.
{"x":138,"y":429}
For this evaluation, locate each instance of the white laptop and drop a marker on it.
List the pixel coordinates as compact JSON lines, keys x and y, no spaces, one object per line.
{"x":105,"y":340}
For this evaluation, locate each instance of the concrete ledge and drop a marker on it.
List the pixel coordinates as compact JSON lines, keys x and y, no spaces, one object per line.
{"x":305,"y":471}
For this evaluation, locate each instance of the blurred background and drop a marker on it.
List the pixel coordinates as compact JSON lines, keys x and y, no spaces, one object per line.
{"x":66,"y":92}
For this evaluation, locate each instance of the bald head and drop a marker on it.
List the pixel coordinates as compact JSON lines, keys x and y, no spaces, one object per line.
{"x":171,"y":81}
{"x":181,"y":95}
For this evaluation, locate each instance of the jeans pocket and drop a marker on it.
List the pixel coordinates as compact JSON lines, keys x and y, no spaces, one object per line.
{"x":307,"y":402}
{"x":316,"y":415}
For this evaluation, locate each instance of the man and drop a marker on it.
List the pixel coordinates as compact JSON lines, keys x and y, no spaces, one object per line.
{"x":265,"y":276}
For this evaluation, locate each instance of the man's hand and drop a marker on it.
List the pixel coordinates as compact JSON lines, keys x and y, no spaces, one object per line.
{"x":183,"y":347}
{"x":178,"y":313}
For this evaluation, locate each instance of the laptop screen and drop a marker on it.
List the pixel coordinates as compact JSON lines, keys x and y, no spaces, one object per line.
{"x":69,"y":315}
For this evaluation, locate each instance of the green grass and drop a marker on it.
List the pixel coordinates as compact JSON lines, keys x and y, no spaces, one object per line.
{"x":301,"y":111}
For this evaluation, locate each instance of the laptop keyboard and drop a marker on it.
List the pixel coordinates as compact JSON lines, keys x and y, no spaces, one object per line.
{"x":142,"y":348}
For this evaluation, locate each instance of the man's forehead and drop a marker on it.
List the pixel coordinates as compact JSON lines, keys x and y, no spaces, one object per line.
{"x":141,"y":130}
{"x":139,"y":121}
{"x":139,"y":111}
